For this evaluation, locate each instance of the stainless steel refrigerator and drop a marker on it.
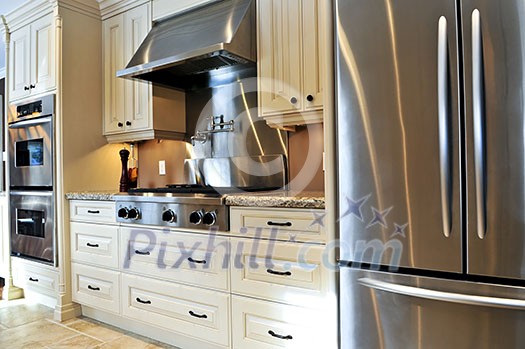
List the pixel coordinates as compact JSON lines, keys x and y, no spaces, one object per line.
{"x":430,"y":98}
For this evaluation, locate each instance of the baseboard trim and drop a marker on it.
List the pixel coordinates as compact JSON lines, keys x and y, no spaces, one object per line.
{"x":67,"y":311}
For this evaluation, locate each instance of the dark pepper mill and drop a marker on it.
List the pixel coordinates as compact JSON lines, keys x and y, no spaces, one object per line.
{"x":124,"y":179}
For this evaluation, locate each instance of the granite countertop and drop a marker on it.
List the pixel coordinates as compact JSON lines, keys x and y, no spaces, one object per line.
{"x":92,"y":195}
{"x":284,"y":199}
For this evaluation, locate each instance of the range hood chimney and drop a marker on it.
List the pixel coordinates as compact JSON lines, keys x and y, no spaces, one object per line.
{"x":197,"y":45}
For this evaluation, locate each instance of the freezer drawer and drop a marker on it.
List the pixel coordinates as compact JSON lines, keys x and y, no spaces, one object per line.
{"x":381,"y":310}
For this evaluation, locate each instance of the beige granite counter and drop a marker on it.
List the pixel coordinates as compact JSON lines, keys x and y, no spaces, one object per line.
{"x":277,"y":199}
{"x":264,"y":199}
{"x":92,"y":195}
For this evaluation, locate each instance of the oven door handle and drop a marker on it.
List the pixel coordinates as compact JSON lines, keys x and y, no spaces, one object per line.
{"x":29,"y":220}
{"x":30,"y":122}
{"x":30,"y":193}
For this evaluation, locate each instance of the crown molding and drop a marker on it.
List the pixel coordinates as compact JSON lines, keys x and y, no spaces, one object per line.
{"x":110,"y":8}
{"x":86,"y":7}
{"x":31,"y":9}
{"x":26,"y":13}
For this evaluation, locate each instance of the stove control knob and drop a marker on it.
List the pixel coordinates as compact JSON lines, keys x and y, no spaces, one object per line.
{"x":123,"y":213}
{"x":196,"y":217}
{"x":169,"y":216}
{"x":133,"y":213}
{"x":209,"y":218}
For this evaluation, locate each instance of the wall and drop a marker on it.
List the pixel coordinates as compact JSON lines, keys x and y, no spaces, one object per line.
{"x":149,"y":155}
{"x":305,"y":153}
{"x":6,"y":6}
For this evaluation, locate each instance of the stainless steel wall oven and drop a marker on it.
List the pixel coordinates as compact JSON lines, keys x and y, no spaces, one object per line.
{"x":32,"y":202}
{"x":33,"y":224}
{"x":30,"y":143}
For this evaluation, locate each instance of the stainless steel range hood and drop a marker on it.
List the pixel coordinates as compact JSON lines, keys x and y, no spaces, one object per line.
{"x":196,"y":45}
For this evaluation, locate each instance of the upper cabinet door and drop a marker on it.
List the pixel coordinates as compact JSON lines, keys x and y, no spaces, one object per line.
{"x":42,"y":64}
{"x":113,"y":87}
{"x":19,"y":64}
{"x":137,"y":24}
{"x":313,"y":54}
{"x":279,"y":61}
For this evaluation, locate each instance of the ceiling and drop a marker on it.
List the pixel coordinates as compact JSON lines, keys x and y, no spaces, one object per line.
{"x":5,"y":7}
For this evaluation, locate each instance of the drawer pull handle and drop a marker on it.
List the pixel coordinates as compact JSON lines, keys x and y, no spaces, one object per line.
{"x":142,"y":253}
{"x":203,"y":316}
{"x":94,"y":212}
{"x":93,"y":288}
{"x":281,"y":273}
{"x":91,"y":245}
{"x":196,"y":261}
{"x":279,"y":224}
{"x":141,"y":301}
{"x":276,"y":335}
{"x":33,"y":280}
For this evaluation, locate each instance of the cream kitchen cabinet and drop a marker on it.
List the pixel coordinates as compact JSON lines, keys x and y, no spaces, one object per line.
{"x":257,"y":324}
{"x":282,"y":286}
{"x":95,"y":276}
{"x":135,"y":110}
{"x":291,"y":61}
{"x":32,"y":59}
{"x":39,"y":281}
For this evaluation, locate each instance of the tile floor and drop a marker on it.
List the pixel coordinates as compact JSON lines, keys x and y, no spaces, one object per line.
{"x":26,"y":325}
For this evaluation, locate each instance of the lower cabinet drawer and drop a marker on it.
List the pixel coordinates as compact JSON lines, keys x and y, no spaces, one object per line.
{"x":196,"y":259}
{"x":287,"y":272}
{"x":286,"y":224}
{"x":191,"y":311}
{"x":266,"y":325}
{"x":96,"y":287}
{"x":92,"y":211}
{"x":94,"y":244}
{"x":36,"y":278}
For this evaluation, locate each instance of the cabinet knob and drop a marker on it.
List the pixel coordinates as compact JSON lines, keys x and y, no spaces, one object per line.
{"x":128,"y":123}
{"x":26,"y":88}
{"x":309,"y":98}
{"x":120,"y":124}
{"x":32,"y":86}
{"x":293,"y":100}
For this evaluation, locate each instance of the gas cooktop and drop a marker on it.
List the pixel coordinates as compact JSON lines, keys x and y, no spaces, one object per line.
{"x":178,"y":206}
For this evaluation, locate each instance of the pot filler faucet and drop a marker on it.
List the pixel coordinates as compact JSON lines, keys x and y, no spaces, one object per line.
{"x":216,"y":124}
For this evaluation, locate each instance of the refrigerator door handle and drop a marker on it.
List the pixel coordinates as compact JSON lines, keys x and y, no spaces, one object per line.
{"x":477,"y":111}
{"x":451,"y":297}
{"x":443,"y":108}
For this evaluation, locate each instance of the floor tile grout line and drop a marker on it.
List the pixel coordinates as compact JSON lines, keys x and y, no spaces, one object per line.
{"x":85,"y":334}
